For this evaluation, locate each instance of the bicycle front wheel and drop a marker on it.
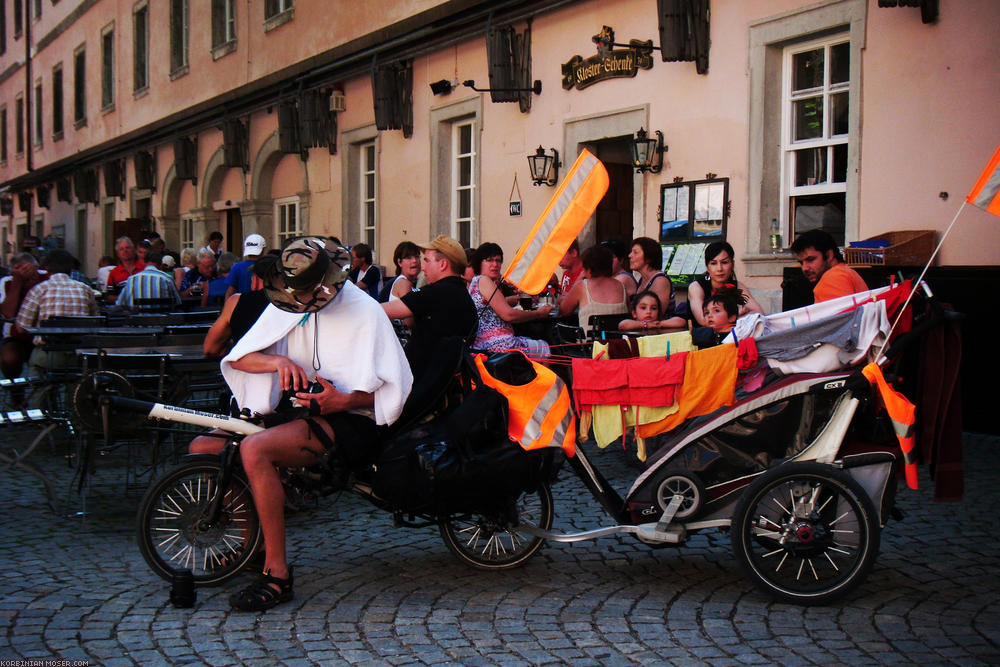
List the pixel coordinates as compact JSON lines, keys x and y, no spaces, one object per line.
{"x":176,"y":533}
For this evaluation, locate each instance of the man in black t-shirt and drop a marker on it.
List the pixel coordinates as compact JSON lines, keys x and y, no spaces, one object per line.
{"x":441,"y":308}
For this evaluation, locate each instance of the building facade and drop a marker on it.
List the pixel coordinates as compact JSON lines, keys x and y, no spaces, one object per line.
{"x":285,"y":117}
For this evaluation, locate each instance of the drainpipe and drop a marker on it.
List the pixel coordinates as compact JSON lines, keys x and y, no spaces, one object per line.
{"x":28,"y":117}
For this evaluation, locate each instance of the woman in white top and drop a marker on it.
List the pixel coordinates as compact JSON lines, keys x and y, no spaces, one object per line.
{"x":597,"y":293}
{"x":406,"y":257}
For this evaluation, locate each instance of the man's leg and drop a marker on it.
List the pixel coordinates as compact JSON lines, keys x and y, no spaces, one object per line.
{"x":286,"y":445}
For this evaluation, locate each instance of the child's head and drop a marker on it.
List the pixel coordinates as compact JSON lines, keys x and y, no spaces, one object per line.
{"x":646,"y":306}
{"x":722,"y":307}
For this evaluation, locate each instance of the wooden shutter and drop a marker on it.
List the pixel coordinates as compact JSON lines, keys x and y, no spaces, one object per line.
{"x":288,"y":127}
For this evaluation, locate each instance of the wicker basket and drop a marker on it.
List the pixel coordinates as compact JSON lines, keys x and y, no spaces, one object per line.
{"x":906,"y":248}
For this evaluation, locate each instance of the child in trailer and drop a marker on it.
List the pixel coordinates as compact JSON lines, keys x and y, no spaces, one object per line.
{"x":646,"y":310}
{"x":720,"y":309}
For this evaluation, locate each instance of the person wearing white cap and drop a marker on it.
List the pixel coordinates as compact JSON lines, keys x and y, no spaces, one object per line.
{"x":240,"y":278}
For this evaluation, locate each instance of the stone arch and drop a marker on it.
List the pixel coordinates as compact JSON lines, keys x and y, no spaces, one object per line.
{"x":212,"y":178}
{"x":264,"y":165}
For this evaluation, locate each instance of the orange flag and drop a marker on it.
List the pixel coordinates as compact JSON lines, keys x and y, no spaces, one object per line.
{"x":986,"y":192}
{"x":902,"y":414}
{"x":565,"y":215}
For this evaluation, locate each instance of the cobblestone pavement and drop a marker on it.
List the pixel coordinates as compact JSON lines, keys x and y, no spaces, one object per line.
{"x":77,"y":589}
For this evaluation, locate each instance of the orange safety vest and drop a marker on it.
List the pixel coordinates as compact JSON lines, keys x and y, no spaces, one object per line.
{"x":903,"y":416}
{"x":540,"y":413}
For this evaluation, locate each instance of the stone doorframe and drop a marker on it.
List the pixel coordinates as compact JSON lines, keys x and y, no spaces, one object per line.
{"x":578,"y":132}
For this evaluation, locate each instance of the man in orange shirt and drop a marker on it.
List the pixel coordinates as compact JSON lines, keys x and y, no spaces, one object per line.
{"x":823,"y":265}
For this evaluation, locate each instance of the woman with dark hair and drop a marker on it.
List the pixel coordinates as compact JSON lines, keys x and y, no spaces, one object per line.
{"x":619,"y":270}
{"x":597,"y":293}
{"x":496,"y":316}
{"x":363,"y":273}
{"x":647,"y":258}
{"x":406,"y":257}
{"x":719,"y":262}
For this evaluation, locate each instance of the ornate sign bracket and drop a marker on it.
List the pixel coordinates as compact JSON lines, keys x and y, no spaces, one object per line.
{"x":609,"y":63}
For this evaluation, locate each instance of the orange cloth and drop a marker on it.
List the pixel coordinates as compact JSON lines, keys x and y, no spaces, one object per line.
{"x":838,"y":280}
{"x":709,"y":383}
{"x":902,"y":413}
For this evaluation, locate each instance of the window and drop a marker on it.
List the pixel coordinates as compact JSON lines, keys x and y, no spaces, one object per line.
{"x":18,"y":18}
{"x":815,"y":122}
{"x":3,"y":28}
{"x":804,"y":152}
{"x":80,"y":87}
{"x":36,"y":6}
{"x":286,"y":219}
{"x":369,"y":194}
{"x":57,"y":102}
{"x":463,"y":188}
{"x":223,"y":22}
{"x":187,"y":232}
{"x":140,"y":49}
{"x":19,"y":124}
{"x":39,"y":113}
{"x":178,"y":35}
{"x":274,"y":7}
{"x":3,"y":134}
{"x":108,"y":67}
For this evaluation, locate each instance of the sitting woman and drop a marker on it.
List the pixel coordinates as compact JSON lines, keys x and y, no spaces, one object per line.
{"x":406,"y":257}
{"x":496,"y":315}
{"x":646,"y":258}
{"x":597,"y":293}
{"x":619,"y":266}
{"x":646,"y":315}
{"x":719,"y":259}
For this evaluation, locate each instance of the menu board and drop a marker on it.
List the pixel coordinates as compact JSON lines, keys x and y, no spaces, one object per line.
{"x":688,"y":259}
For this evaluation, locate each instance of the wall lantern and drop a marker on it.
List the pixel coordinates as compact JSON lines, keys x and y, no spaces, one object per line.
{"x":536,"y":88}
{"x":648,"y":153}
{"x":544,"y":168}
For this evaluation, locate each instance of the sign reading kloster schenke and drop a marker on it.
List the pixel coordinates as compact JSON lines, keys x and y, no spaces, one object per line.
{"x":609,"y":63}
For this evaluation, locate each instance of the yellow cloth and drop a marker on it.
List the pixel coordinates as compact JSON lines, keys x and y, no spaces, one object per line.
{"x":607,"y":419}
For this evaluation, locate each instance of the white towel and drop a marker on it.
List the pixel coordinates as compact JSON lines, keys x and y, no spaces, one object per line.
{"x":357,"y":351}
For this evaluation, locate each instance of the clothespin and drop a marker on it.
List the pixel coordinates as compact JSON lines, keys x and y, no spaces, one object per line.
{"x":668,"y":350}
{"x":793,"y":322}
{"x":305,"y":318}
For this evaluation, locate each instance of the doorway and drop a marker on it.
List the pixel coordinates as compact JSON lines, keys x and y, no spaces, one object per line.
{"x":233,"y":221}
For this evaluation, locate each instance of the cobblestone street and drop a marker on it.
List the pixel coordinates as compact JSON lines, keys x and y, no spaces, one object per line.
{"x":76,"y":588}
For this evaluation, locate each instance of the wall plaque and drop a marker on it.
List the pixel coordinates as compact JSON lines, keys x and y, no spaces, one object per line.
{"x":609,"y":63}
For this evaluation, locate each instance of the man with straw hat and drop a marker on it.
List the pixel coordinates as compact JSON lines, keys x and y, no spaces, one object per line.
{"x":320,"y":329}
{"x":441,"y":308}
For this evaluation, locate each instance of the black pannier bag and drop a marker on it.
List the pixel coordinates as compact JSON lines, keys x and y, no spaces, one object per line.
{"x":464,"y":461}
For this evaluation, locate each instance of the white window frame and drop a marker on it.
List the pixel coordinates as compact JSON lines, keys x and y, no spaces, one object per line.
{"x":38,"y":122}
{"x":790,"y":146}
{"x":187,"y":232}
{"x":457,"y":188}
{"x":108,"y":68}
{"x":185,"y":36}
{"x":768,"y":37}
{"x":286,"y":227}
{"x":229,"y":22}
{"x":140,"y":68}
{"x":368,"y":200}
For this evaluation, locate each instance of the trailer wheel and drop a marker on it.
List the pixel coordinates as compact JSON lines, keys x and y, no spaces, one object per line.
{"x":805,"y":533}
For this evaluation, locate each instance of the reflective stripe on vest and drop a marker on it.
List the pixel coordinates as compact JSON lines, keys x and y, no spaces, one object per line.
{"x":559,"y":224}
{"x":540,"y":412}
{"x":902,"y":413}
